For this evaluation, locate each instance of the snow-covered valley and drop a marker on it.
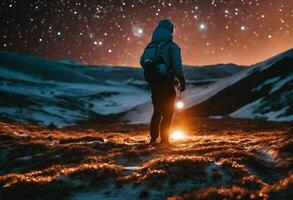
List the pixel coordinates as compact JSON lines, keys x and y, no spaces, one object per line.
{"x":64,"y":93}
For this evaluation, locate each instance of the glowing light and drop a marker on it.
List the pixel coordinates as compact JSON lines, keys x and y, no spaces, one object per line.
{"x":98,"y":43}
{"x":179,"y":104}
{"x":177,"y":135}
{"x":140,"y":31}
{"x":137,"y":31}
{"x":202,"y":26}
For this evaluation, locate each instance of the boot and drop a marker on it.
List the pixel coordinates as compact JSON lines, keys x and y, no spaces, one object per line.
{"x":153,"y":141}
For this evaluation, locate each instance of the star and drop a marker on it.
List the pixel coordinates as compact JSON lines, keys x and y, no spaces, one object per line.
{"x":137,"y":31}
{"x":91,"y":28}
{"x":202,"y":26}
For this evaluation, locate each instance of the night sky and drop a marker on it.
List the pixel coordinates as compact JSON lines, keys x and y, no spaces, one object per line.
{"x":114,"y":32}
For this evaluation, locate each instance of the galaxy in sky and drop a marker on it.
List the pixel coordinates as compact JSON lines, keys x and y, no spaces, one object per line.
{"x":115,"y":32}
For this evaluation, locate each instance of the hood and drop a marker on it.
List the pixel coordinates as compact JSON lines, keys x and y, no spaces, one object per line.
{"x":163,"y":31}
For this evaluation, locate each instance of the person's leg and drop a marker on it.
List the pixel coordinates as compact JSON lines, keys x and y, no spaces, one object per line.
{"x":157,"y":114}
{"x":165,"y":126}
{"x":155,"y":125}
{"x":167,"y":115}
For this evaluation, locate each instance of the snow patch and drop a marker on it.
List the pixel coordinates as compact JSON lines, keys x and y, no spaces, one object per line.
{"x":250,"y":111}
{"x":278,"y":85}
{"x":267,"y":82}
{"x":96,"y":142}
{"x":216,"y":117}
{"x":25,"y":158}
{"x":133,"y":168}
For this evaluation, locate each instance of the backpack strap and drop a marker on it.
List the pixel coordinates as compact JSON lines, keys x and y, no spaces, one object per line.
{"x":168,"y":67}
{"x":161,"y":46}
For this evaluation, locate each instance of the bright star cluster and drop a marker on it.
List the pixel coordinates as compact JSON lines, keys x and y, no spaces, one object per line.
{"x":115,"y":32}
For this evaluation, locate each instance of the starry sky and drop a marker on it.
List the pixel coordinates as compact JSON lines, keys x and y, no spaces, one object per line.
{"x":115,"y":32}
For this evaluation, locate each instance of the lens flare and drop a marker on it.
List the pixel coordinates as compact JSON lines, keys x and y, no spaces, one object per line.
{"x":177,"y":135}
{"x":179,"y":104}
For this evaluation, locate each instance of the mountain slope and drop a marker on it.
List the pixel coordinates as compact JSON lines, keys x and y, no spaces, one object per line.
{"x":263,"y":91}
{"x":40,"y":91}
{"x":65,"y":92}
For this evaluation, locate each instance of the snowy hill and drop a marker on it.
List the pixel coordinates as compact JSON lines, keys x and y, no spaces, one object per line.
{"x":65,"y":92}
{"x":40,"y":91}
{"x":264,"y":91}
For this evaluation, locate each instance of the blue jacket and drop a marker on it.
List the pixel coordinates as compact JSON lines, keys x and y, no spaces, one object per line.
{"x":171,"y":51}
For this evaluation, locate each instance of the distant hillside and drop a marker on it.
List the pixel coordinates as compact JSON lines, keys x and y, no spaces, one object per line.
{"x":39,"y":91}
{"x":264,"y":91}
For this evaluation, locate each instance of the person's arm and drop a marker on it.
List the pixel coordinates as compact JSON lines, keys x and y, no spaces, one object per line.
{"x":141,"y":60}
{"x":176,"y":63}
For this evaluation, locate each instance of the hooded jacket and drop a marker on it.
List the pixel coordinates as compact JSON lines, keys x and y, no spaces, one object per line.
{"x":170,"y":51}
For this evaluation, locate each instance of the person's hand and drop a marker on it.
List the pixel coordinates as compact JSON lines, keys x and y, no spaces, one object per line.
{"x":182,"y":88}
{"x":182,"y":84}
{"x":177,"y":83}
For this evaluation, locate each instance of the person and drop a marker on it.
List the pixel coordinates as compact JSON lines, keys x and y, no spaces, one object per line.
{"x":164,"y":92}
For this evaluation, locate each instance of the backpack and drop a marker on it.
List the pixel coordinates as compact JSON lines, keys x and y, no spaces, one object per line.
{"x":155,"y":68}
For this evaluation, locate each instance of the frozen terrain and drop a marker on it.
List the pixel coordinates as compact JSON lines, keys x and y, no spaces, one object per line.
{"x":218,"y":159}
{"x":64,"y":93}
{"x":263,"y":91}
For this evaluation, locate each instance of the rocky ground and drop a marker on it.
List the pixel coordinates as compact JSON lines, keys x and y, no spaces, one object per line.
{"x":219,"y":158}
